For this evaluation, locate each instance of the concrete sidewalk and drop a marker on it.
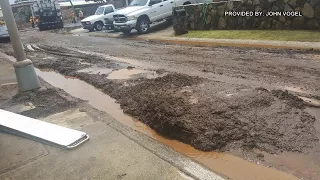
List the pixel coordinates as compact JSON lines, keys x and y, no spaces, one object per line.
{"x":113,"y":152}
{"x":108,"y":155}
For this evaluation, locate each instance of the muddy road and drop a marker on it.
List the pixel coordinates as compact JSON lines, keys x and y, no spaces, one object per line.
{"x":245,"y":66}
{"x":215,"y":99}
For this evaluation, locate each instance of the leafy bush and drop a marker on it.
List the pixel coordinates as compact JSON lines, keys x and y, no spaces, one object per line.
{"x":77,"y":10}
{"x":24,"y":13}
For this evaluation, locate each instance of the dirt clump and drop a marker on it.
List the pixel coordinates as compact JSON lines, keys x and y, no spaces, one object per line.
{"x":197,"y":112}
{"x":7,"y":91}
{"x":208,"y":115}
{"x":46,"y":100}
{"x":291,"y":99}
{"x":69,"y":65}
{"x":88,"y":58}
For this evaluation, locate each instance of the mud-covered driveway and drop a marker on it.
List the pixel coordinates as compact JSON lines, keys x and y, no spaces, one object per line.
{"x":215,"y":99}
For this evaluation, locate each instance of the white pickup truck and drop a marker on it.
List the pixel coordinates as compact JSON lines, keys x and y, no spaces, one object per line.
{"x":141,"y":13}
{"x":4,"y":35}
{"x":102,"y":17}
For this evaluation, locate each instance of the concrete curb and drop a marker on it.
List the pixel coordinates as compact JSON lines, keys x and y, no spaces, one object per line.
{"x":220,"y":42}
{"x":191,"y":168}
{"x":234,"y":43}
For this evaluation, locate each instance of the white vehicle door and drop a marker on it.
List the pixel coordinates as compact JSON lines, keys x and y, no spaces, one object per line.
{"x":108,"y":13}
{"x":156,"y":10}
{"x":168,"y":5}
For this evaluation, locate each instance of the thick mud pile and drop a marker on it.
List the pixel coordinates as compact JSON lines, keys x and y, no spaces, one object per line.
{"x":208,"y":117}
{"x":46,"y":101}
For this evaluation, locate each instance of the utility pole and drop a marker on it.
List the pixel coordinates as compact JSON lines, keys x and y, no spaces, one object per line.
{"x":25,"y":72}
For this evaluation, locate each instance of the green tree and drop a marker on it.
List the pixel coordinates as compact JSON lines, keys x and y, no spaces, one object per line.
{"x":24,"y":13}
{"x":77,"y":11}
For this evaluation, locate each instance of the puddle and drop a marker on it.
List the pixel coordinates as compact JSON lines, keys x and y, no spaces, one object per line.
{"x":128,"y":73}
{"x":84,"y":91}
{"x":229,"y":165}
{"x":96,"y":70}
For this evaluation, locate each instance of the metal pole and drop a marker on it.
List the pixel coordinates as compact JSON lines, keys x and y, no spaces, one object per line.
{"x":25,"y":73}
{"x":13,"y":30}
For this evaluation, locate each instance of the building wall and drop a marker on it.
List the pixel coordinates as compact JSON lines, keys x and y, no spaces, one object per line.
{"x":212,"y":16}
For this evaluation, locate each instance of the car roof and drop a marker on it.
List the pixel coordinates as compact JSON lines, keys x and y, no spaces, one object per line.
{"x":106,"y":5}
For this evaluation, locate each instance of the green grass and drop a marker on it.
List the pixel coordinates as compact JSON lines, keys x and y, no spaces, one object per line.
{"x":279,"y":35}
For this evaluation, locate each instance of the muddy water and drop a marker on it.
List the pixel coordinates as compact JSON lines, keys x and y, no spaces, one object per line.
{"x":231,"y":166}
{"x":96,"y":70}
{"x":125,"y":73}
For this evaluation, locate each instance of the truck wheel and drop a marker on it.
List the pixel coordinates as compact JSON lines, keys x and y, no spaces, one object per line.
{"x":126,"y":32}
{"x":143,"y":25}
{"x":98,"y":26}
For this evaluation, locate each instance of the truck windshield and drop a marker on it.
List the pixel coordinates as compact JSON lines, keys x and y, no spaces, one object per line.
{"x":138,"y":3}
{"x":99,"y":11}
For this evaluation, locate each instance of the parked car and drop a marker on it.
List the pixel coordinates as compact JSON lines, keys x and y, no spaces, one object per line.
{"x":141,"y":13}
{"x":102,"y":17}
{"x":4,"y":35}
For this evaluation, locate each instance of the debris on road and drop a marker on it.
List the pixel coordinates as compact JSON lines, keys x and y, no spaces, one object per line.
{"x":206,"y":114}
{"x":211,"y":119}
{"x":41,"y":131}
{"x":222,"y":99}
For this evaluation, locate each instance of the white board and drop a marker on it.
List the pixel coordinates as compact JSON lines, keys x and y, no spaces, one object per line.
{"x":36,"y":129}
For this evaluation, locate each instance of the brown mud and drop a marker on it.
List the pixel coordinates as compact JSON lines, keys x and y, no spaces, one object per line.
{"x":208,"y":115}
{"x":229,"y":165}
{"x":47,"y":101}
{"x":200,"y":114}
{"x":258,"y":118}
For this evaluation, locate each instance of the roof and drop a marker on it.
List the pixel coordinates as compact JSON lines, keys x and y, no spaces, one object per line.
{"x":76,"y":3}
{"x":106,"y":5}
